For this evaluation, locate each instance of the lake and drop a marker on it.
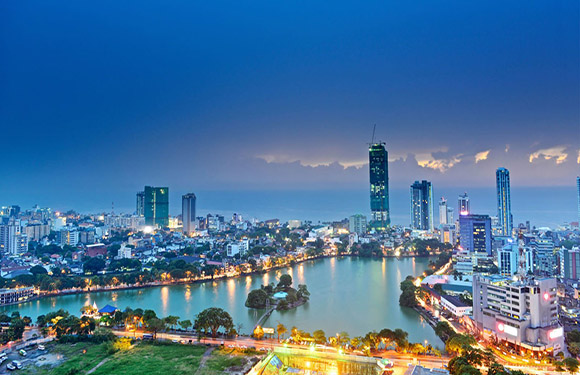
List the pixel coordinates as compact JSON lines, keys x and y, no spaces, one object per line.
{"x":349,"y":294}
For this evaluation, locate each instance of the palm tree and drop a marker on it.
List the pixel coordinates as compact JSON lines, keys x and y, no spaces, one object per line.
{"x":355,"y":342}
{"x":281,"y":330}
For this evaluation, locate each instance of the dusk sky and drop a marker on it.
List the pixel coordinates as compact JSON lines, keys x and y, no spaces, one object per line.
{"x":107,"y":97}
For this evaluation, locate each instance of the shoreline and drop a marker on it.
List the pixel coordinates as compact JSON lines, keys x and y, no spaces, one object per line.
{"x":188,"y":282}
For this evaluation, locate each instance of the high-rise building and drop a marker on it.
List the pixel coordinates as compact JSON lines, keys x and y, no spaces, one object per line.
{"x":504,"y":206}
{"x":379,"y":180}
{"x":475,"y":234}
{"x":422,"y":205}
{"x":188,"y":213}
{"x":448,"y":233}
{"x":156,"y":206}
{"x":357,"y":224}
{"x":140,"y":209}
{"x":508,"y":259}
{"x":443,"y":212}
{"x":463,"y":204}
{"x":523,"y":313}
{"x":13,"y":239}
{"x":570,"y":264}
{"x":544,"y":256}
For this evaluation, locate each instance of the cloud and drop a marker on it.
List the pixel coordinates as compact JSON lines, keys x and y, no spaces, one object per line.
{"x":557,"y":152}
{"x":507,"y":148}
{"x":440,"y":164}
{"x":481,"y":156}
{"x":578,"y":159}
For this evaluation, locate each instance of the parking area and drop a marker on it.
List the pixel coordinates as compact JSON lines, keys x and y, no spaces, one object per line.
{"x":33,"y":356}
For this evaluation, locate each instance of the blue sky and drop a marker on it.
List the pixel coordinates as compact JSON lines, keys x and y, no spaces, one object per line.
{"x":109,"y":96}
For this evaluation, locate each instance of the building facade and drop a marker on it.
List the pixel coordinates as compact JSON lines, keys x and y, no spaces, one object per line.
{"x":422,"y":205}
{"x":357,"y":224}
{"x":523,"y":313}
{"x":140,"y":207}
{"x":13,"y":239}
{"x":544,"y":257}
{"x":504,"y":205}
{"x":379,"y":181}
{"x":475,"y":233}
{"x":570,"y":264}
{"x":188,"y":213}
{"x":508,"y":260}
{"x":156,"y":206}
{"x":443,"y":212}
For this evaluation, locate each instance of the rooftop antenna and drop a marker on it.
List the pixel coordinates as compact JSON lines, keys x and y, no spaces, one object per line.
{"x":373,"y":138}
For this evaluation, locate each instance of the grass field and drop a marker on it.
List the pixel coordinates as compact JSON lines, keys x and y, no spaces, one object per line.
{"x":141,"y":359}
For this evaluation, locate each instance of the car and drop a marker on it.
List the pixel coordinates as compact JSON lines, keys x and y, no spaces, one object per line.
{"x":263,"y":349}
{"x":41,"y":347}
{"x":231,"y":346}
{"x":22,"y":352}
{"x":18,"y":364}
{"x":175,"y":341}
{"x":11,"y":367}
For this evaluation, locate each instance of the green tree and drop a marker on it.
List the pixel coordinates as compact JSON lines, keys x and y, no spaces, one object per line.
{"x":257,"y":299}
{"x":212,"y":319}
{"x":459,"y":344}
{"x":571,"y":364}
{"x":285,"y":281}
{"x":185,"y":324}
{"x":38,"y":270}
{"x":154,"y":326}
{"x":171,"y":320}
{"x":93,"y":265}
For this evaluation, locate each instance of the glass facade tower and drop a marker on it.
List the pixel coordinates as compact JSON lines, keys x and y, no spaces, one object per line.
{"x":422,"y":205}
{"x":379,"y":179}
{"x":504,"y":206}
{"x":156,"y":206}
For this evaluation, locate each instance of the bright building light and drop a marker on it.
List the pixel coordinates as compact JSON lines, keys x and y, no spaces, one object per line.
{"x":555,"y":333}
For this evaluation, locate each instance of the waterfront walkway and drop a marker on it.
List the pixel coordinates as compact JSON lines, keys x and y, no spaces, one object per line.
{"x":265,"y":316}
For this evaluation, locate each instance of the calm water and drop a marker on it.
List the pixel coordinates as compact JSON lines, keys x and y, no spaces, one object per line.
{"x":347,"y":294}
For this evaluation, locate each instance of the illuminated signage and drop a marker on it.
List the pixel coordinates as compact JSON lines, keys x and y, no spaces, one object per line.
{"x":546,"y":296}
{"x":508,"y":330}
{"x":555,"y":333}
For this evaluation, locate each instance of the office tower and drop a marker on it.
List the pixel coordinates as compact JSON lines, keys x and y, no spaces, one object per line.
{"x":422,"y":205}
{"x":443,"y":212}
{"x":188,"y":213}
{"x":544,"y":256}
{"x":357,"y":224}
{"x":523,"y":313}
{"x":570,"y":264}
{"x":448,"y":234}
{"x":529,"y":264}
{"x":156,"y":207}
{"x":463,"y":205}
{"x":379,"y":180}
{"x":449,"y":215}
{"x":140,"y":210}
{"x":578,"y":193}
{"x":508,"y":259}
{"x":13,"y":239}
{"x":504,"y":206}
{"x":475,"y":234}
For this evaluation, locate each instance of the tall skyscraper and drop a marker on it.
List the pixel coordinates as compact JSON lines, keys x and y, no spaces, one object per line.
{"x":140,"y":209}
{"x":463,"y":204}
{"x":379,"y":180}
{"x":13,"y":239}
{"x":475,"y":234}
{"x":188,"y":213}
{"x":443,"y":215}
{"x":504,"y":206}
{"x":156,"y":206}
{"x":422,"y":205}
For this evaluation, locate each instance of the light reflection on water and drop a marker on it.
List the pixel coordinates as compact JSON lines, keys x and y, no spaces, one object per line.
{"x":347,"y":294}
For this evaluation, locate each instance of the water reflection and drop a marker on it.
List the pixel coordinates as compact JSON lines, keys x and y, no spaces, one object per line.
{"x":360,"y":297}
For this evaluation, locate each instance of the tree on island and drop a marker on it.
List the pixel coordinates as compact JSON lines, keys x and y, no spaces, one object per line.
{"x":93,"y":265}
{"x":257,"y":299}
{"x":285,"y":281}
{"x":212,"y":319}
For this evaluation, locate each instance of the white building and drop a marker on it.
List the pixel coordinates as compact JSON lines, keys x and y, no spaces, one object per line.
{"x":521,"y":312}
{"x":240,"y":247}
{"x":357,"y":224}
{"x":13,"y":239}
{"x":68,"y":236}
{"x":293,"y":224}
{"x":124,"y":252}
{"x":455,"y":306}
{"x":508,"y":259}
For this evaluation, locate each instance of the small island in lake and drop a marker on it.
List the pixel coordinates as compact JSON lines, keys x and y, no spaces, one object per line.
{"x":282,"y":296}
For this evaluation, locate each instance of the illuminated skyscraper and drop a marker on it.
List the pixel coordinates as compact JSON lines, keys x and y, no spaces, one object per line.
{"x":156,"y":206}
{"x":475,"y":234}
{"x":422,"y":205}
{"x":463,"y":205}
{"x":504,"y":206}
{"x":188,"y":213}
{"x":379,"y":179}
